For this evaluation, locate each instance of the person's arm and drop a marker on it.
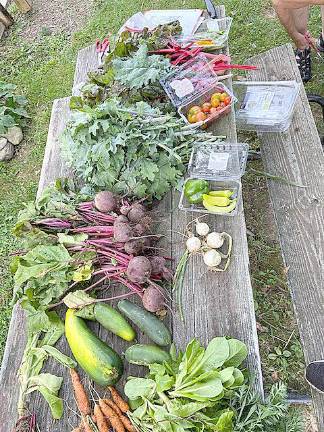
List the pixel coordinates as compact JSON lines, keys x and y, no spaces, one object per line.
{"x":297,"y":4}
{"x":287,"y":17}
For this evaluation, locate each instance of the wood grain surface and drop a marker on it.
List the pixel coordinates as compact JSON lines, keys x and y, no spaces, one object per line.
{"x":299,"y":212}
{"x":213,"y":304}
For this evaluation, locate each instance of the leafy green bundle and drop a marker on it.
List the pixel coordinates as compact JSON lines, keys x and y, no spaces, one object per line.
{"x":206,"y":390}
{"x":12,"y":108}
{"x":129,"y":150}
{"x":188,"y":393}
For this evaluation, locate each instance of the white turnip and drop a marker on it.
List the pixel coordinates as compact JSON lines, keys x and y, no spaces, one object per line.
{"x":193,"y":244}
{"x":105,"y":201}
{"x":215,"y":240}
{"x":202,"y":228}
{"x":139,"y":269}
{"x":212,"y":258}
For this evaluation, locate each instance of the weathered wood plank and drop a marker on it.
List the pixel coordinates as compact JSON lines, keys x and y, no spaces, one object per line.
{"x":221,"y":303}
{"x":87,"y":61}
{"x":23,"y":5}
{"x":299,"y":213}
{"x":52,"y":168}
{"x":5,"y":17}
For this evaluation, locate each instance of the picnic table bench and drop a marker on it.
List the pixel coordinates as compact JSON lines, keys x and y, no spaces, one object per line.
{"x":213,"y":304}
{"x":297,"y":155}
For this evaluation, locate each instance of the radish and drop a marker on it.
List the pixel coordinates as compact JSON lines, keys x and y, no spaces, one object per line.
{"x":105,"y":201}
{"x":139,"y":269}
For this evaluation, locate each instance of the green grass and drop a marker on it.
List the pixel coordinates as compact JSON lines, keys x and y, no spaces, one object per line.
{"x":43,"y":70}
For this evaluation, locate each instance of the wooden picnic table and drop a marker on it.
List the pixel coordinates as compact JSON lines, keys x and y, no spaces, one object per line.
{"x":213,"y":304}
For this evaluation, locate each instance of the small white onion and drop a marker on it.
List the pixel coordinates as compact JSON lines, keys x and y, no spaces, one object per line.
{"x":193,"y":244}
{"x":212,"y":258}
{"x":202,"y":228}
{"x":215,"y":240}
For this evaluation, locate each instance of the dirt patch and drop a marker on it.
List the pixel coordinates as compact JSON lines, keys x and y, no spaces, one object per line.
{"x":270,"y":13}
{"x":54,"y":17}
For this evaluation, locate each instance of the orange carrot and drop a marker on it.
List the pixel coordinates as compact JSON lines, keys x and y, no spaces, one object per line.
{"x":112,"y":416}
{"x":126,"y":422}
{"x":87,"y":427}
{"x":80,"y":394}
{"x":113,"y":406}
{"x":100,"y":419}
{"x":119,"y":401}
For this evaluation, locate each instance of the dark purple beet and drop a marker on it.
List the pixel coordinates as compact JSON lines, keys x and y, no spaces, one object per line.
{"x":139,"y":269}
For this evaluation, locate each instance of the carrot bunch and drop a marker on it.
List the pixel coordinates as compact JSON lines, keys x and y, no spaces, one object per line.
{"x":108,"y":413}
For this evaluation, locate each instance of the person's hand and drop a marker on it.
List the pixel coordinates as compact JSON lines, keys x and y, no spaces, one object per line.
{"x":300,"y":41}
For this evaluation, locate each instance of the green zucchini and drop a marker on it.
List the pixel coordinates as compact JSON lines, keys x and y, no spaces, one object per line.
{"x":95,"y":357}
{"x":147,"y":322}
{"x":145,"y":355}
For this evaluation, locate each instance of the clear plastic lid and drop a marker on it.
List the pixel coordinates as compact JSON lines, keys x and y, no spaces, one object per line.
{"x":265,"y":103}
{"x":218,"y":161}
{"x":184,"y":83}
{"x":211,"y":34}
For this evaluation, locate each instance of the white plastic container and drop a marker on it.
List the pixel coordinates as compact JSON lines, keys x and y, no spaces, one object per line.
{"x":193,"y":84}
{"x":222,"y":166}
{"x":265,"y":106}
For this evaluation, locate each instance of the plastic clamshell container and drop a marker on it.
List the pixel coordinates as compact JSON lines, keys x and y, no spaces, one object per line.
{"x":222,"y":165}
{"x":211,"y":34}
{"x":265,"y":106}
{"x":184,"y":82}
{"x":193,"y":84}
{"x":205,"y":97}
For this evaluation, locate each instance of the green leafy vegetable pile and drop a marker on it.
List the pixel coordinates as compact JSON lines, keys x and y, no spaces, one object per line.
{"x":132,"y":150}
{"x":205,"y":390}
{"x":189,"y":392}
{"x":12,"y":108}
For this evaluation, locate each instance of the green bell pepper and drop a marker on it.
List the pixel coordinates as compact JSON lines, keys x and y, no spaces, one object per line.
{"x":194,"y":190}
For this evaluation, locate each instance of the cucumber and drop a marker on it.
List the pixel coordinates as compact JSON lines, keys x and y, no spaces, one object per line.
{"x":96,"y":358}
{"x":112,"y":320}
{"x":147,"y":322}
{"x":145,"y":355}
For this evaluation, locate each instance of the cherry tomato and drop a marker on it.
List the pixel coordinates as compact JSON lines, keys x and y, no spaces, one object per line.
{"x":206,"y":107}
{"x":227,"y":100}
{"x":201,"y":116}
{"x":194,"y":110}
{"x":192,"y":118}
{"x":223,"y":96}
{"x":215,"y":100}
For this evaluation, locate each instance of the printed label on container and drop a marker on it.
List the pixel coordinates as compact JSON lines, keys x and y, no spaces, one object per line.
{"x":182,"y":87}
{"x":218,"y":161}
{"x":255,"y":102}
